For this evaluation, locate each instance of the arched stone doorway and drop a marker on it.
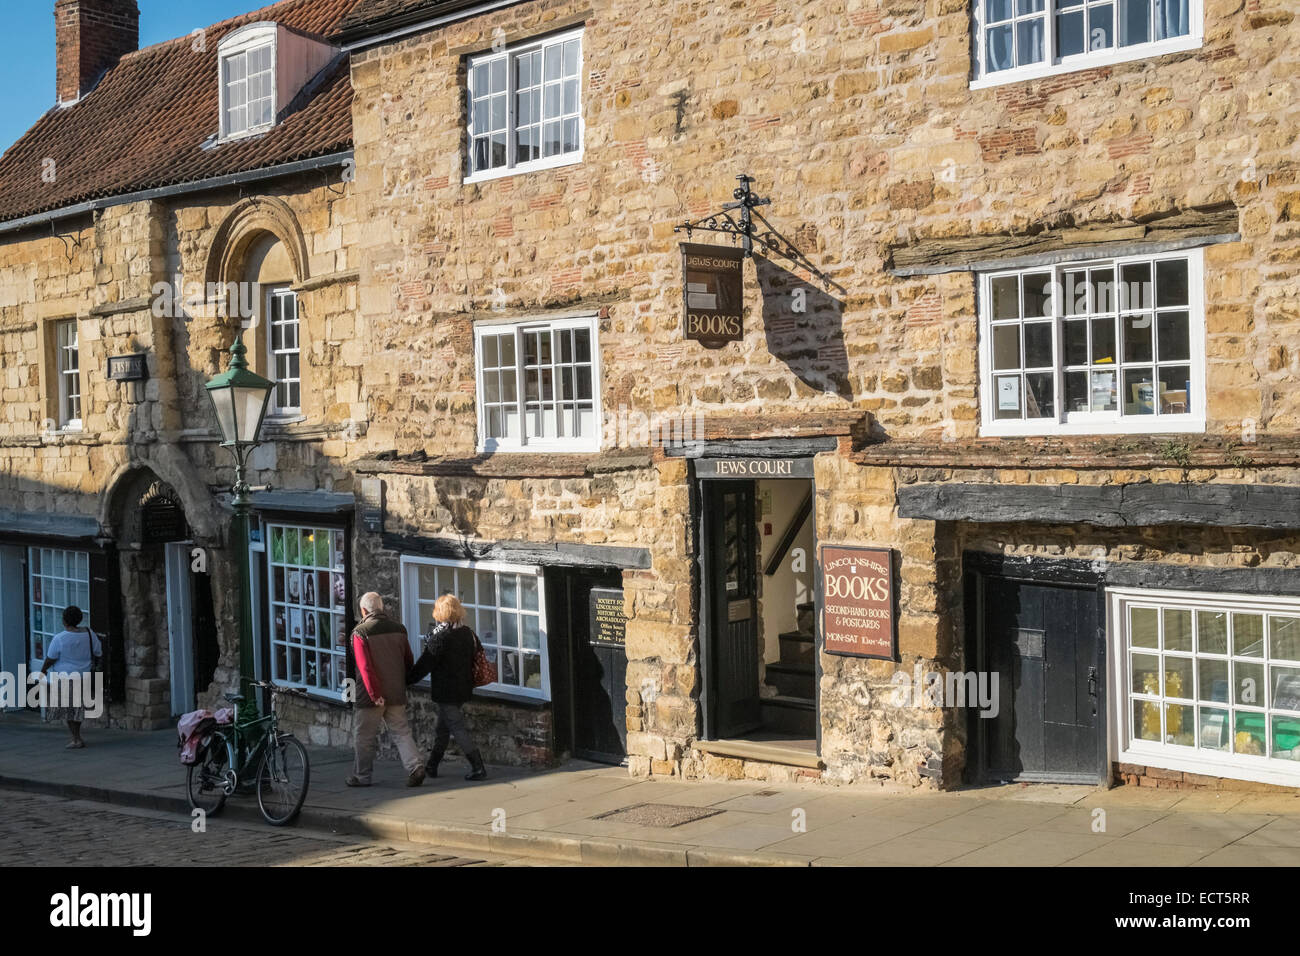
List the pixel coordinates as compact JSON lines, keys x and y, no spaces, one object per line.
{"x":169,"y":600}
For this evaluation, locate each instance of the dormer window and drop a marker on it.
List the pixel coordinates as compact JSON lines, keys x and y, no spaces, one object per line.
{"x":263,"y":67}
{"x":248,"y":90}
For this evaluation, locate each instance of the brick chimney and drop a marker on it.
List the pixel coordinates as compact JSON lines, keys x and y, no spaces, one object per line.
{"x":89,"y":37}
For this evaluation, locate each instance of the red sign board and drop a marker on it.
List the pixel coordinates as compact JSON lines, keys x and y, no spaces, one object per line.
{"x":858,"y":602}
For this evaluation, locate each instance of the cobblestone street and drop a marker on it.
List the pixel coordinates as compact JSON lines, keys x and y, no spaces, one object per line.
{"x":37,"y":830}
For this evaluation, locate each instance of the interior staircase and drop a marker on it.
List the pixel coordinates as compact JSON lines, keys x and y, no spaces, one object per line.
{"x":793,"y":711}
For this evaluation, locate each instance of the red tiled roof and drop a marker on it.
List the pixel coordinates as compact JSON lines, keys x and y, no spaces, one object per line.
{"x":374,"y":16}
{"x":144,"y":126}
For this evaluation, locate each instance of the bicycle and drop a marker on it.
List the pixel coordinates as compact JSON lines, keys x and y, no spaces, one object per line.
{"x":231,"y":751}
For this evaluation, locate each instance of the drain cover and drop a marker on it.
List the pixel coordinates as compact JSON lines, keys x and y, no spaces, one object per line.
{"x":658,"y":815}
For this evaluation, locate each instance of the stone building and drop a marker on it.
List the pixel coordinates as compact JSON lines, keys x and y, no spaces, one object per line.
{"x":1023,"y":325}
{"x":146,"y":217}
{"x":1009,"y":403}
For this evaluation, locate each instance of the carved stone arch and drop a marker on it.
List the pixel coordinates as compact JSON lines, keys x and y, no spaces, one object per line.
{"x":246,"y":225}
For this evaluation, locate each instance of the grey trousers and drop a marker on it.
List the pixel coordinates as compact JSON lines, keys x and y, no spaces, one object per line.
{"x":451,"y":723}
{"x":368,"y":721}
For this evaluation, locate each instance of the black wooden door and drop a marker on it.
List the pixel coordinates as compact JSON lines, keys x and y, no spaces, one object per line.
{"x":207,"y":650}
{"x":1043,"y":643}
{"x":729,"y":594}
{"x":599,"y":681}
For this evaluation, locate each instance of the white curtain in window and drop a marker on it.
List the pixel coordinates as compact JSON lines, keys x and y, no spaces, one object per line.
{"x":1172,"y":18}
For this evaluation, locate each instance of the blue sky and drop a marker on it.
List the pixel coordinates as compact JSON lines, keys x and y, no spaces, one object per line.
{"x":27,"y":49}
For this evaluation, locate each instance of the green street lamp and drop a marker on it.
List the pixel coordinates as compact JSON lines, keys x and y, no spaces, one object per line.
{"x":240,"y":398}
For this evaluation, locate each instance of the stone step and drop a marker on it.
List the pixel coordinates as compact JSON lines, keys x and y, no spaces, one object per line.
{"x":807,"y":618}
{"x":790,"y":715}
{"x":793,"y":680}
{"x":797,"y":648}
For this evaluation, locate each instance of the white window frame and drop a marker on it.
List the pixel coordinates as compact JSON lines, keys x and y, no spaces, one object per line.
{"x":1164,"y":756}
{"x":240,"y":44}
{"x":410,"y":597}
{"x":1096,"y":423}
{"x":338,"y":656}
{"x":50,"y":609}
{"x":509,"y":54}
{"x":270,"y":294}
{"x":1053,"y":65}
{"x":590,"y":443}
{"x":68,"y":390}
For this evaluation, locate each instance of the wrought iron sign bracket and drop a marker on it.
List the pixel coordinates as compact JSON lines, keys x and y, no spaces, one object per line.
{"x":746,"y":200}
{"x":764,"y":233}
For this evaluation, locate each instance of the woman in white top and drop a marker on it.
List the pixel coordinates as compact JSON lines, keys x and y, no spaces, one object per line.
{"x":72,"y":652}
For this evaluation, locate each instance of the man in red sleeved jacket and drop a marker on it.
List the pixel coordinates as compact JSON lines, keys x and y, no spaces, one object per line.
{"x":383,"y":657}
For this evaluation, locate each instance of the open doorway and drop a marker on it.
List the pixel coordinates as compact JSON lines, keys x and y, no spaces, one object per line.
{"x":758,"y":541}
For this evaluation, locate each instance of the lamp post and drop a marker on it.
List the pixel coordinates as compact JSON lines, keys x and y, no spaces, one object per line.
{"x":240,"y":398}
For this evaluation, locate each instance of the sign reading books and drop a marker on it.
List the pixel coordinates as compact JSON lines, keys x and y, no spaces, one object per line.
{"x":858,"y":602}
{"x":714,"y":290}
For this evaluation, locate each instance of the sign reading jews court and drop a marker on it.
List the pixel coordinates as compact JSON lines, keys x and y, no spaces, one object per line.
{"x":713,"y":286}
{"x":858,"y":602}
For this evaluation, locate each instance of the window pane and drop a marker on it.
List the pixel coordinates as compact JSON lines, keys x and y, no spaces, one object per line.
{"x":1211,"y":632}
{"x":1134,"y":22}
{"x":1069,"y":33}
{"x":1006,"y":346}
{"x":523,"y":72}
{"x":997,"y":10}
{"x":1285,"y":689}
{"x":552,"y":139}
{"x":1104,"y":392}
{"x":1178,"y":630}
{"x":1101,"y":27}
{"x":1143,"y":627}
{"x":1175,"y":390}
{"x":1103,"y":341}
{"x":1076,"y":342}
{"x":1215,"y":729}
{"x":998,"y":55}
{"x":572,"y":53}
{"x":1076,"y":392}
{"x":1139,"y":392}
{"x":1135,"y":292}
{"x":1179,"y":677}
{"x":1146,"y":675}
{"x":1038,"y":345}
{"x":1146,"y":720}
{"x":498,"y":77}
{"x":1040,"y":395}
{"x":1006,"y":297}
{"x":1029,"y":40}
{"x":1037,"y":297}
{"x":1248,"y":683}
{"x":532,"y":676}
{"x":1137,"y":339}
{"x":570,"y":96}
{"x":554,"y":62}
{"x":1029,"y":6}
{"x":1214,"y":678}
{"x":553,"y":100}
{"x":1284,"y":638}
{"x":1007,"y":396}
{"x":1174,"y":336}
{"x":572,"y":137}
{"x":1076,"y":293}
{"x":1172,"y":19}
{"x":1171,"y":283}
{"x":1248,"y":635}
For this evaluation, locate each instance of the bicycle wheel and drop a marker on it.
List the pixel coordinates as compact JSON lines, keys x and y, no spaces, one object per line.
{"x":206,"y":781}
{"x":282,"y":780}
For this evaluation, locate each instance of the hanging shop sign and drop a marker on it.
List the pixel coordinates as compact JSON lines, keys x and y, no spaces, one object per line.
{"x":608,"y":617}
{"x":713,"y":286}
{"x":858,"y":612}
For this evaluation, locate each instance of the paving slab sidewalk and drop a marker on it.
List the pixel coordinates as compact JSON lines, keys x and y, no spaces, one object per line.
{"x":570,"y":814}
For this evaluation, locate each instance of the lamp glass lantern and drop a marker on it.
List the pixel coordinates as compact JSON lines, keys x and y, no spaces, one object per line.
{"x":240,"y":397}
